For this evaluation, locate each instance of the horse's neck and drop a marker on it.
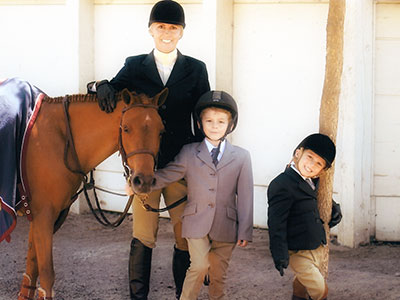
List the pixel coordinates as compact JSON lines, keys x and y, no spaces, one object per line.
{"x":95,"y":132}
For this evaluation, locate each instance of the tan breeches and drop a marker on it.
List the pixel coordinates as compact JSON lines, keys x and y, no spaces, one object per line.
{"x":210,"y":257}
{"x":306,"y":266}
{"x":145,"y":223}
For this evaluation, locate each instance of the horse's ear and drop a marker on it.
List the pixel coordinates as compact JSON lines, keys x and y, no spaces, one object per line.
{"x":159,"y":99}
{"x":126,"y":96}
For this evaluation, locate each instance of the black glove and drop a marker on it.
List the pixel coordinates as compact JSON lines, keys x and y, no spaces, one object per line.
{"x":106,"y":96}
{"x":336,"y":215}
{"x":280,"y":265}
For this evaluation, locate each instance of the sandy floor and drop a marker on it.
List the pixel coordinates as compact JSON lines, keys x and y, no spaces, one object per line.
{"x":91,"y":263}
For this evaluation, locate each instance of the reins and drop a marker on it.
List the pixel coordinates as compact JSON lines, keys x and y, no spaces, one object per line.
{"x":88,"y":184}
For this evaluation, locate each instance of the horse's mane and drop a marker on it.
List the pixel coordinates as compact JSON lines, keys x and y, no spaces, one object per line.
{"x":92,"y":98}
{"x":72,"y":98}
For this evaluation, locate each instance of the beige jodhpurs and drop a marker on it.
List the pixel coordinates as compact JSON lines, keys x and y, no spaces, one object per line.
{"x":145,"y":223}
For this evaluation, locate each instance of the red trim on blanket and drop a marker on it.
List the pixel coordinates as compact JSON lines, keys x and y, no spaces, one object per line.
{"x":11,"y":212}
{"x":25,"y":141}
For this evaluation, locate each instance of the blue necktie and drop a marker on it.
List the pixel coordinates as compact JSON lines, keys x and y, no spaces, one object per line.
{"x":214,"y":155}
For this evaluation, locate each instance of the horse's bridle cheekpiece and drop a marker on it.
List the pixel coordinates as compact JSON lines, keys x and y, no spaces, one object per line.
{"x":124,"y":155}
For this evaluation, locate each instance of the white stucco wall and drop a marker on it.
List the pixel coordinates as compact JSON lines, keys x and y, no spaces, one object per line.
{"x":47,"y":43}
{"x":278,"y":68}
{"x":36,"y":44}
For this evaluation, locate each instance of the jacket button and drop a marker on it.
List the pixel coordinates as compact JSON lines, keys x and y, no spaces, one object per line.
{"x":211,"y":205}
{"x":211,"y":190}
{"x":163,"y":106}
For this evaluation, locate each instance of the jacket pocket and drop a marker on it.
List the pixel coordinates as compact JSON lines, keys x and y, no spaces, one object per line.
{"x":231,"y":213}
{"x":190,"y":209}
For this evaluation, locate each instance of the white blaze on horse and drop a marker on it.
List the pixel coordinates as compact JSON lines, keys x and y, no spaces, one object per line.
{"x":56,"y":159}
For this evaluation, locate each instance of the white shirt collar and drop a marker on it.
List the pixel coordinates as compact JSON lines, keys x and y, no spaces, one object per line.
{"x":166,"y":59}
{"x":221,"y":148}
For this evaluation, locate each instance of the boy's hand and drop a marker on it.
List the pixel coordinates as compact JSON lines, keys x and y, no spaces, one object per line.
{"x":336,"y":215}
{"x":241,"y":243}
{"x":128,"y":189}
{"x":280,"y":265}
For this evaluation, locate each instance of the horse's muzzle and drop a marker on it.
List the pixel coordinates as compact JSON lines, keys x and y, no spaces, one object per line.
{"x":141,"y":184}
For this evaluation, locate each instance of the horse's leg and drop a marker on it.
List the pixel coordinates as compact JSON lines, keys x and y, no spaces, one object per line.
{"x":28,"y":286}
{"x":43,"y":224}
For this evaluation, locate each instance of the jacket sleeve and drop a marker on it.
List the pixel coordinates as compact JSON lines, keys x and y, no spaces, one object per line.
{"x":172,"y":172}
{"x":245,"y":190}
{"x":279,"y":203}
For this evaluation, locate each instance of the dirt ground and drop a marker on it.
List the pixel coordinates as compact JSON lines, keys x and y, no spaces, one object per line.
{"x":91,"y":263}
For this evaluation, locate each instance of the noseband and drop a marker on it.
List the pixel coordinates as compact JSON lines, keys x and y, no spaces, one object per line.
{"x":124,"y":156}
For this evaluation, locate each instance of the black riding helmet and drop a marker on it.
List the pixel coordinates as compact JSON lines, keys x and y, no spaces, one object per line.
{"x":219,"y":99}
{"x":322,"y":145}
{"x":167,"y":11}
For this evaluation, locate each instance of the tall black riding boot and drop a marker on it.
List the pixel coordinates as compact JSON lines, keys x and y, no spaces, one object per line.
{"x":180,"y":263}
{"x":139,"y":270}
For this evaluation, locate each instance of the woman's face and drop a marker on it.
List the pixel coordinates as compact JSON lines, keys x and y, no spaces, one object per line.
{"x":166,"y":36}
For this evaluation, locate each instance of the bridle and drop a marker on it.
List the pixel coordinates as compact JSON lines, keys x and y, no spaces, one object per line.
{"x":128,"y":171}
{"x":89,"y":183}
{"x":124,"y":156}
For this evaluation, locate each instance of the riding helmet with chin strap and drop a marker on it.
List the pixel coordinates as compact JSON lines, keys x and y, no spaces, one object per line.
{"x":219,"y":99}
{"x":167,"y":11}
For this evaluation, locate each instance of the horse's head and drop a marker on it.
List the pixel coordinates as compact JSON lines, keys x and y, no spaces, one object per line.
{"x":140,"y":135}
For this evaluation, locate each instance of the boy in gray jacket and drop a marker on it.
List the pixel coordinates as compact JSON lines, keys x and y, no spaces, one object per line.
{"x":219,"y":210}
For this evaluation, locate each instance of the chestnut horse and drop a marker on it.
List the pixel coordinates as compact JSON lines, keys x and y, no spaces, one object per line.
{"x":134,"y":127}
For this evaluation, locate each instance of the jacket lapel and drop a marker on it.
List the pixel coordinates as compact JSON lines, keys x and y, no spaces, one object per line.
{"x":204,"y":155}
{"x":227,"y":156}
{"x":150,"y":69}
{"x":178,"y":71}
{"x":303,"y":185}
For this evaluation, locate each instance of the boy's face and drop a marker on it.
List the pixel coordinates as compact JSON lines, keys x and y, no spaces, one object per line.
{"x":166,"y":36}
{"x":309,"y":163}
{"x":215,"y":123}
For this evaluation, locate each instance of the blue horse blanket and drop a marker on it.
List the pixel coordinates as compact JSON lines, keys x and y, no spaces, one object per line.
{"x":17,"y":104}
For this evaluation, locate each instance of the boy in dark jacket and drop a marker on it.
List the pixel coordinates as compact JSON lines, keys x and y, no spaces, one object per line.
{"x":297,"y":235}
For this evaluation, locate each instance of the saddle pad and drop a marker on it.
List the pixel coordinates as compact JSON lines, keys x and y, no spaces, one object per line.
{"x":18,"y":101}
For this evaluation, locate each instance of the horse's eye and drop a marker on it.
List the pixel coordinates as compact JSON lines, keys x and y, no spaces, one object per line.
{"x":125,"y":128}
